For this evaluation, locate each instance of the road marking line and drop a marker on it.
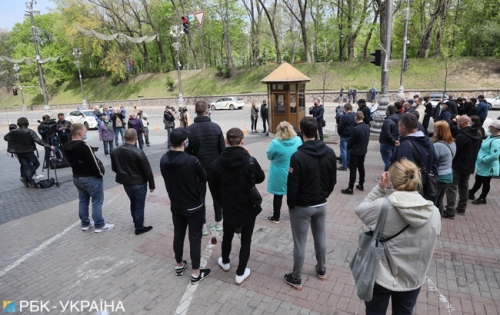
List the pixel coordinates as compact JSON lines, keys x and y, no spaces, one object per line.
{"x":96,"y":273}
{"x":191,"y":289}
{"x":45,"y":244}
{"x":432,"y":287}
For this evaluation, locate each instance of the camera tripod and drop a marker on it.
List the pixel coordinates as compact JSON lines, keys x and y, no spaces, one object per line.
{"x":52,"y":157}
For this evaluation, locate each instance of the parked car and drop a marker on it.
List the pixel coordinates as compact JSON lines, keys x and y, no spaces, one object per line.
{"x":494,"y":102}
{"x":227,"y":103}
{"x":85,"y":117}
{"x":435,"y":98}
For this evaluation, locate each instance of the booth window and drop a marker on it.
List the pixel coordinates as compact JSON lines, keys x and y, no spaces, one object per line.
{"x":279,"y":103}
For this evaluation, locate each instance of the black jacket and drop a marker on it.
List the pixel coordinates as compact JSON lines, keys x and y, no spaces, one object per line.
{"x":366,"y":112}
{"x":360,"y":137}
{"x":424,"y":147}
{"x":22,"y":140}
{"x":120,"y":116}
{"x":131,"y":166}
{"x":312,"y":174}
{"x":264,"y":110}
{"x":206,"y":141}
{"x":446,"y":115}
{"x":346,"y":124}
{"x":230,"y":185}
{"x":469,"y":109}
{"x":468,"y":142}
{"x":182,"y":173}
{"x":64,"y":129}
{"x":82,"y":158}
{"x":390,"y":131}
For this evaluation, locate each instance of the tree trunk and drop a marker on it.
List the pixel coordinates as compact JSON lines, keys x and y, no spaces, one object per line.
{"x":270,"y":18}
{"x":301,"y":18}
{"x":369,"y":36}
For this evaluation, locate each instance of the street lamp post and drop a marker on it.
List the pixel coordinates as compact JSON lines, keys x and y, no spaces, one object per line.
{"x":404,"y":65}
{"x":16,"y":69}
{"x":31,"y":11}
{"x":77,"y":54}
{"x":176,"y":33}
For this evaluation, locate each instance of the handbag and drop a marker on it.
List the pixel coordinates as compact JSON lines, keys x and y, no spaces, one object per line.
{"x":366,"y":259}
{"x":323,"y":122}
{"x":430,"y":186}
{"x":254,"y":195}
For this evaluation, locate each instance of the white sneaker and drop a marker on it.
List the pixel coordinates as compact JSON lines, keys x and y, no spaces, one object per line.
{"x":38,"y":176}
{"x":86,"y":228}
{"x":104,"y":228}
{"x":224,"y":266}
{"x":240,"y":279}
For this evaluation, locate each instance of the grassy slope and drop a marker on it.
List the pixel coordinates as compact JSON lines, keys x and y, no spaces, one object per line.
{"x":464,"y":73}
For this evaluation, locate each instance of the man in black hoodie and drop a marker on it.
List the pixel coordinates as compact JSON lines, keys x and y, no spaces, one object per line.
{"x":87,"y":177}
{"x":357,"y":145}
{"x":389,"y":135}
{"x":311,"y":179}
{"x":468,"y":142}
{"x":206,"y":142}
{"x":416,"y":147}
{"x":182,"y":174}
{"x":366,"y":111}
{"x":230,"y":184}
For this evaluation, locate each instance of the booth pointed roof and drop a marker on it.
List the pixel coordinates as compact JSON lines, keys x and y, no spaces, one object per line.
{"x":286,"y":73}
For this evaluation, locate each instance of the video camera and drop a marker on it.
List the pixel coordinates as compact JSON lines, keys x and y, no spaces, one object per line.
{"x":48,"y":125}
{"x":183,"y":109}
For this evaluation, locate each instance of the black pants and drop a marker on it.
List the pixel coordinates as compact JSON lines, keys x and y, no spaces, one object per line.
{"x":217,"y":206}
{"x":246,"y":241}
{"x":320,"y":128}
{"x":29,"y":164}
{"x":254,"y":123}
{"x":146,"y":135}
{"x":402,"y":302}
{"x":264,"y":121}
{"x":442,"y":188}
{"x":277,"y":202}
{"x":481,"y":181}
{"x":356,"y":163}
{"x":195,"y":223}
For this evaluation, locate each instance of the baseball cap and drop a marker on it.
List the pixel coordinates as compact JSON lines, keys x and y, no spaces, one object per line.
{"x":495,"y":124}
{"x":177,"y":136}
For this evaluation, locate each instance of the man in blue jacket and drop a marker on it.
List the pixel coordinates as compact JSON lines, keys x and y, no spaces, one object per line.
{"x":482,"y":108}
{"x":346,"y":124}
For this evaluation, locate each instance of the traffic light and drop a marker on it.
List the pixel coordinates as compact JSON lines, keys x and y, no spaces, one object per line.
{"x":378,"y":57}
{"x":14,"y":91}
{"x":185,"y":24}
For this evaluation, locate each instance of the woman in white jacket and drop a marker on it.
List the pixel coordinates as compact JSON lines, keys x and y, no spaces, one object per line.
{"x":409,"y":237}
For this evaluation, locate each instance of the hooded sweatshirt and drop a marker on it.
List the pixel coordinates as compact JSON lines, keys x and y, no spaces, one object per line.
{"x":230,"y":184}
{"x":312,"y":174}
{"x":182,"y":173}
{"x":408,"y":255}
{"x":468,"y":141}
{"x":279,"y":152}
{"x":82,"y":158}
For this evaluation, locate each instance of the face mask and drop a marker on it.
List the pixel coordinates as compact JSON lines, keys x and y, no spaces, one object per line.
{"x":84,"y":137}
{"x":187,"y":144}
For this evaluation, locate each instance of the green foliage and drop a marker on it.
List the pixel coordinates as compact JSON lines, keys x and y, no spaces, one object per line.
{"x":170,"y":83}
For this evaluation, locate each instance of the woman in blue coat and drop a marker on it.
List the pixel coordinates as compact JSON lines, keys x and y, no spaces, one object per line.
{"x":487,"y":164}
{"x":279,"y":152}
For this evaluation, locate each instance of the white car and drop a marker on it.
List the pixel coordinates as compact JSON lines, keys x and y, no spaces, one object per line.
{"x":85,"y":117}
{"x":493,"y":102}
{"x":227,"y":103}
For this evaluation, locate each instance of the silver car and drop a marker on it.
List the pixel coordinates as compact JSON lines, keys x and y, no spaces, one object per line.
{"x":227,"y":103}
{"x":85,"y":117}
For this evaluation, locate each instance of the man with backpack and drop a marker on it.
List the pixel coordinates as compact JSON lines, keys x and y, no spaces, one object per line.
{"x":169,"y":121}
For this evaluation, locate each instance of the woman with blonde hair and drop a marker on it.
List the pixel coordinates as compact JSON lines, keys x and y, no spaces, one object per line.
{"x":279,"y":153}
{"x":409,"y":237}
{"x":445,"y":150}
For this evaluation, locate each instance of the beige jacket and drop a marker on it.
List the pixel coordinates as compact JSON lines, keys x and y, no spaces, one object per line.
{"x":408,"y":255}
{"x":421,"y":110}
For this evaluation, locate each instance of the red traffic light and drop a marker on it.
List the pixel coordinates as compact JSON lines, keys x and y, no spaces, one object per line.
{"x":14,"y":91}
{"x":185,"y":20}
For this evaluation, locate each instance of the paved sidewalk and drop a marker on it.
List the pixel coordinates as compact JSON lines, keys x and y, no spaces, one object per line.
{"x":45,"y":255}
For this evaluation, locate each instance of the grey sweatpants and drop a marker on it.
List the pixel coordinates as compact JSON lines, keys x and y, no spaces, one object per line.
{"x":300,"y":219}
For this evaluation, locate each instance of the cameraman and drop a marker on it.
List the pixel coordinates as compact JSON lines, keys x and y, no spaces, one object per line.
{"x":169,"y":121}
{"x":184,"y":117}
{"x":118,"y":124}
{"x":21,"y":141}
{"x":144,"y":118}
{"x":47,"y":130}
{"x":63,"y":129}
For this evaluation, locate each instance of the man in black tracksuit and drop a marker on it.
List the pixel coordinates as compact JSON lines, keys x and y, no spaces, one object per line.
{"x":206,"y":142}
{"x":230,"y":183}
{"x":311,"y":179}
{"x":182,"y":174}
{"x":357,"y":145}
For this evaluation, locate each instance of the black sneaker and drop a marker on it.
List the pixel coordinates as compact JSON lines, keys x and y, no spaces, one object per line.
{"x":479,"y":201}
{"x":296,"y":284}
{"x":471,"y":195}
{"x":359,"y":187}
{"x":274,"y":220}
{"x":461,"y":212}
{"x":321,"y":274}
{"x":143,"y":230}
{"x":203,"y":274}
{"x":24,"y":180}
{"x":179,"y":270}
{"x":342,"y":168}
{"x":347,"y":191}
{"x":447,"y":215}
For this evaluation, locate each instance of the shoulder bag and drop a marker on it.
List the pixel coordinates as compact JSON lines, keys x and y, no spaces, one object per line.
{"x":255,"y":196}
{"x":430,"y":186}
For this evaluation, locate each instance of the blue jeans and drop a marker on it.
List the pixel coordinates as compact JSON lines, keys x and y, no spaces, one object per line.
{"x":137,"y":196}
{"x":344,"y":154}
{"x":108,"y":147}
{"x":29,"y":164}
{"x":121,"y":131}
{"x":90,"y":187}
{"x":402,"y":302}
{"x":386,"y":151}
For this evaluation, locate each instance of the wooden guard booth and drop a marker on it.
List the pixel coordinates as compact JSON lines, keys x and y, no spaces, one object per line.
{"x":286,"y":92}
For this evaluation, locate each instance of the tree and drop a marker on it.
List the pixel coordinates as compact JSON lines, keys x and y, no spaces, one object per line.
{"x":302,"y":20}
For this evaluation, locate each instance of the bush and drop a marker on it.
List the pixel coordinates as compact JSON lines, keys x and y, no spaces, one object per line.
{"x":170,"y":83}
{"x":223,"y":71}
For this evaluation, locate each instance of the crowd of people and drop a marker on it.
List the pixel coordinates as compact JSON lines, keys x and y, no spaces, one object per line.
{"x":302,"y":168}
